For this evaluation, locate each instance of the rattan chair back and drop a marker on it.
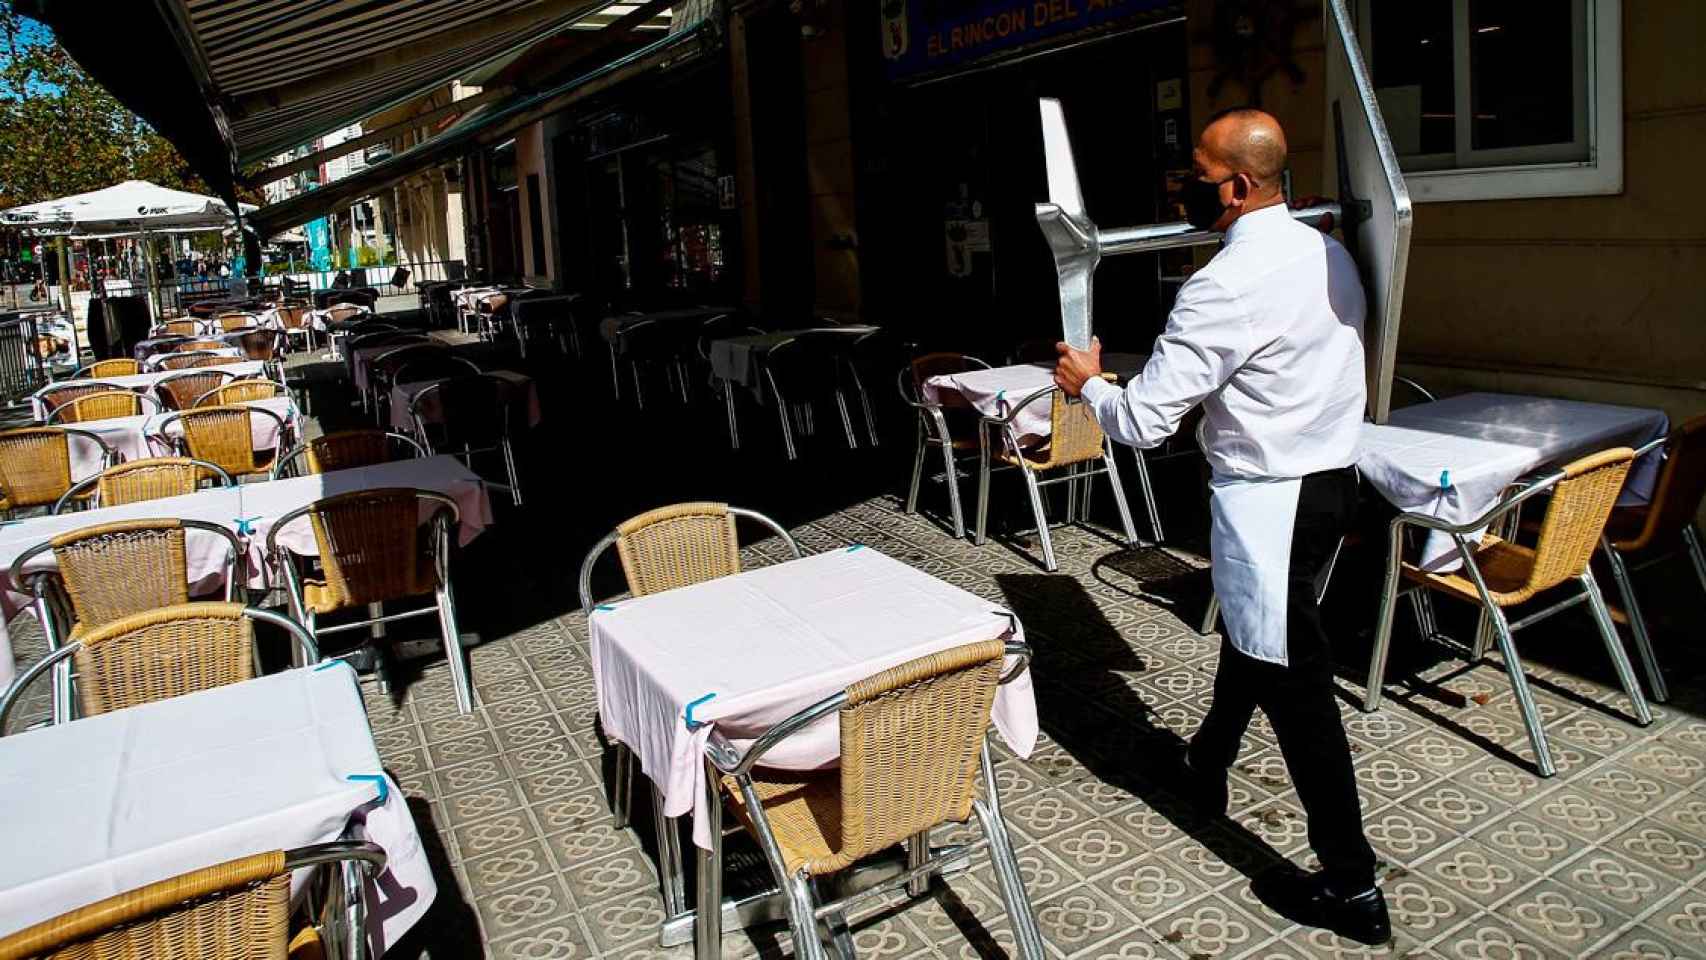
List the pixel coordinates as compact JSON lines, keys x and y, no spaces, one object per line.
{"x":242,"y":390}
{"x":343,"y":312}
{"x":197,"y":346}
{"x":58,"y":395}
{"x":435,"y":365}
{"x":292,"y":317}
{"x":1074,"y":434}
{"x":1680,"y":489}
{"x":223,"y":436}
{"x":911,"y":742}
{"x":1570,"y":531}
{"x":182,"y":328}
{"x":259,"y":345}
{"x":373,"y":548}
{"x":348,"y":449}
{"x":99,"y":406}
{"x":35,"y":466}
{"x":235,"y":321}
{"x":116,"y":367}
{"x":112,"y":570}
{"x":677,"y":546}
{"x":237,"y":909}
{"x":163,"y":653}
{"x":152,"y":479}
{"x":189,"y":361}
{"x":182,"y":391}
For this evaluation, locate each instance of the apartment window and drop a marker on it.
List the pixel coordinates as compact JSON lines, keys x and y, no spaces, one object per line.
{"x":1495,"y":99}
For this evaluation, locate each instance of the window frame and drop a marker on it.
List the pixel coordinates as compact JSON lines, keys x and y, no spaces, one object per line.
{"x":1504,"y":174}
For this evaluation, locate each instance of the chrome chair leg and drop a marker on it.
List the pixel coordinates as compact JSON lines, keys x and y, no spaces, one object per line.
{"x":615,"y":374}
{"x":622,"y":784}
{"x":1691,"y":538}
{"x":1027,"y":937}
{"x":839,"y":936}
{"x":1637,"y":621}
{"x":1072,"y":484}
{"x":1524,"y":696}
{"x":802,"y":919}
{"x":453,"y":651}
{"x":508,"y":449}
{"x":1119,"y":497}
{"x":1211,"y":616}
{"x":787,"y":428}
{"x":846,"y":420}
{"x":1383,"y":626}
{"x":917,"y":855}
{"x":671,"y":885}
{"x":1483,"y":634}
{"x":639,"y":390}
{"x":734,"y":424}
{"x":708,"y":912}
{"x":917,"y":469}
{"x":1614,"y":646}
{"x":1148,"y":488}
{"x":1042,"y":518}
{"x":953,"y":480}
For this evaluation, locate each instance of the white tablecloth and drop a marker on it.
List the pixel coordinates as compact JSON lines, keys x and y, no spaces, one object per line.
{"x":996,"y":391}
{"x":110,"y":803}
{"x":259,"y":504}
{"x":404,"y":393}
{"x":1453,"y":458}
{"x":764,"y":644}
{"x":127,"y":435}
{"x":142,"y":382}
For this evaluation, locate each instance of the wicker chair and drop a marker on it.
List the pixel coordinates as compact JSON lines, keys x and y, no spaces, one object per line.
{"x":159,"y":654}
{"x":152,"y":479}
{"x":237,"y":910}
{"x":104,"y":406}
{"x":664,"y":549}
{"x":35,"y":465}
{"x":201,"y":346}
{"x":191,"y":360}
{"x":229,"y":322}
{"x":225,"y":436}
{"x":913,"y":743}
{"x":294,"y":322}
{"x":1638,"y":537}
{"x":1075,"y":442}
{"x":181,"y":328}
{"x":117,"y":367}
{"x":947,"y":427}
{"x":373,"y":548}
{"x":476,"y":415}
{"x":1497,"y":574}
{"x":345,"y":450}
{"x":180,"y":392}
{"x":241,"y":390}
{"x":56,"y":395}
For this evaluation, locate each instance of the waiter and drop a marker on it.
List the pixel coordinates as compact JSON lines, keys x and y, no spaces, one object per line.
{"x":1268,"y":338}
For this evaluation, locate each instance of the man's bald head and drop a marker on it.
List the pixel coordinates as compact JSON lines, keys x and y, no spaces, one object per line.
{"x":1248,"y":141}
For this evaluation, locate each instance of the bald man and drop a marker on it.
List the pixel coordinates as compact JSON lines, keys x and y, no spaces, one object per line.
{"x":1268,"y":338}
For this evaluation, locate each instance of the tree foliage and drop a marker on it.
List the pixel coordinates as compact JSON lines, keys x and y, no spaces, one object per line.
{"x":63,"y":133}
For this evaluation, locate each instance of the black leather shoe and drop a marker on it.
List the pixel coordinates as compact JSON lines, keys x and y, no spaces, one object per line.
{"x":1205,"y":789}
{"x":1359,"y":916}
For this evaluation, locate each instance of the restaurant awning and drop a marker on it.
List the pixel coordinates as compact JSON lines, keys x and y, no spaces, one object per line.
{"x":489,"y":122}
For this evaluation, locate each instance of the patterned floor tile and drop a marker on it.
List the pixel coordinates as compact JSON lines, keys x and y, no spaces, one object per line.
{"x":1562,"y":917}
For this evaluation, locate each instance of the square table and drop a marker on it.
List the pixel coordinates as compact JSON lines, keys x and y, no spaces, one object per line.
{"x":749,"y":650}
{"x":1453,"y":458}
{"x":403,"y":394}
{"x":253,"y":507}
{"x":995,"y":391}
{"x":113,"y":802}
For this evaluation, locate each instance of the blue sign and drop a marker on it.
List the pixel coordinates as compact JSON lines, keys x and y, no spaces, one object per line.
{"x":920,"y":36}
{"x":319,"y":244}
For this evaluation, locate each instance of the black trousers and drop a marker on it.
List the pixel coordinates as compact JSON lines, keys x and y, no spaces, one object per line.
{"x":1298,"y":698}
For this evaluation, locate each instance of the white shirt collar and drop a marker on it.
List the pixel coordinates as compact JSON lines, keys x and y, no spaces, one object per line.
{"x":1257,"y":220}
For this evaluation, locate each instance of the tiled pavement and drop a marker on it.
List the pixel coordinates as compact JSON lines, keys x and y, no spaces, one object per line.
{"x":1482,"y":860}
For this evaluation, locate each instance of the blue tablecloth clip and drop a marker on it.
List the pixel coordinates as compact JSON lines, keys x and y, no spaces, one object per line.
{"x":693,"y":724}
{"x":328,"y":664}
{"x":1445,"y":479}
{"x":605,"y":607}
{"x":378,"y":781}
{"x":856,"y":546}
{"x":245,"y":525}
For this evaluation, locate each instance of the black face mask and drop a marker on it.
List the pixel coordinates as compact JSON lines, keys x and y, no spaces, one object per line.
{"x":1202,"y":201}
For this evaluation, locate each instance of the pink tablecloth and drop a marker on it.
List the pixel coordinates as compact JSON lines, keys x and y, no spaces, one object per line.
{"x":259,"y":505}
{"x":129,"y":435}
{"x":404,"y":393}
{"x":752,"y":649}
{"x":997,"y":391}
{"x":114,"y":802}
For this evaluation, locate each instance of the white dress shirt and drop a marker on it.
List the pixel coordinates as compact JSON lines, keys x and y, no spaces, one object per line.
{"x":1268,"y":338}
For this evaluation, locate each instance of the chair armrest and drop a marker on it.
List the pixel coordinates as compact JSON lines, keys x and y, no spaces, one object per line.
{"x":1508,"y":502}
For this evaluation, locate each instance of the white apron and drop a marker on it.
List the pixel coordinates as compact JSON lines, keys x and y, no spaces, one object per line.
{"x":1250,"y":547}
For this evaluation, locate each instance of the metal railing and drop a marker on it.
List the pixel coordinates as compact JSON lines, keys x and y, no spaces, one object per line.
{"x":22,"y":370}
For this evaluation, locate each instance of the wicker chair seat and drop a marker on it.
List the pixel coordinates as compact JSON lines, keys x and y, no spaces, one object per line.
{"x":1507,"y":567}
{"x":324,"y":594}
{"x":803,"y":808}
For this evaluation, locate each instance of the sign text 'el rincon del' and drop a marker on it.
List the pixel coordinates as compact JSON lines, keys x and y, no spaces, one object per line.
{"x":927,"y":35}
